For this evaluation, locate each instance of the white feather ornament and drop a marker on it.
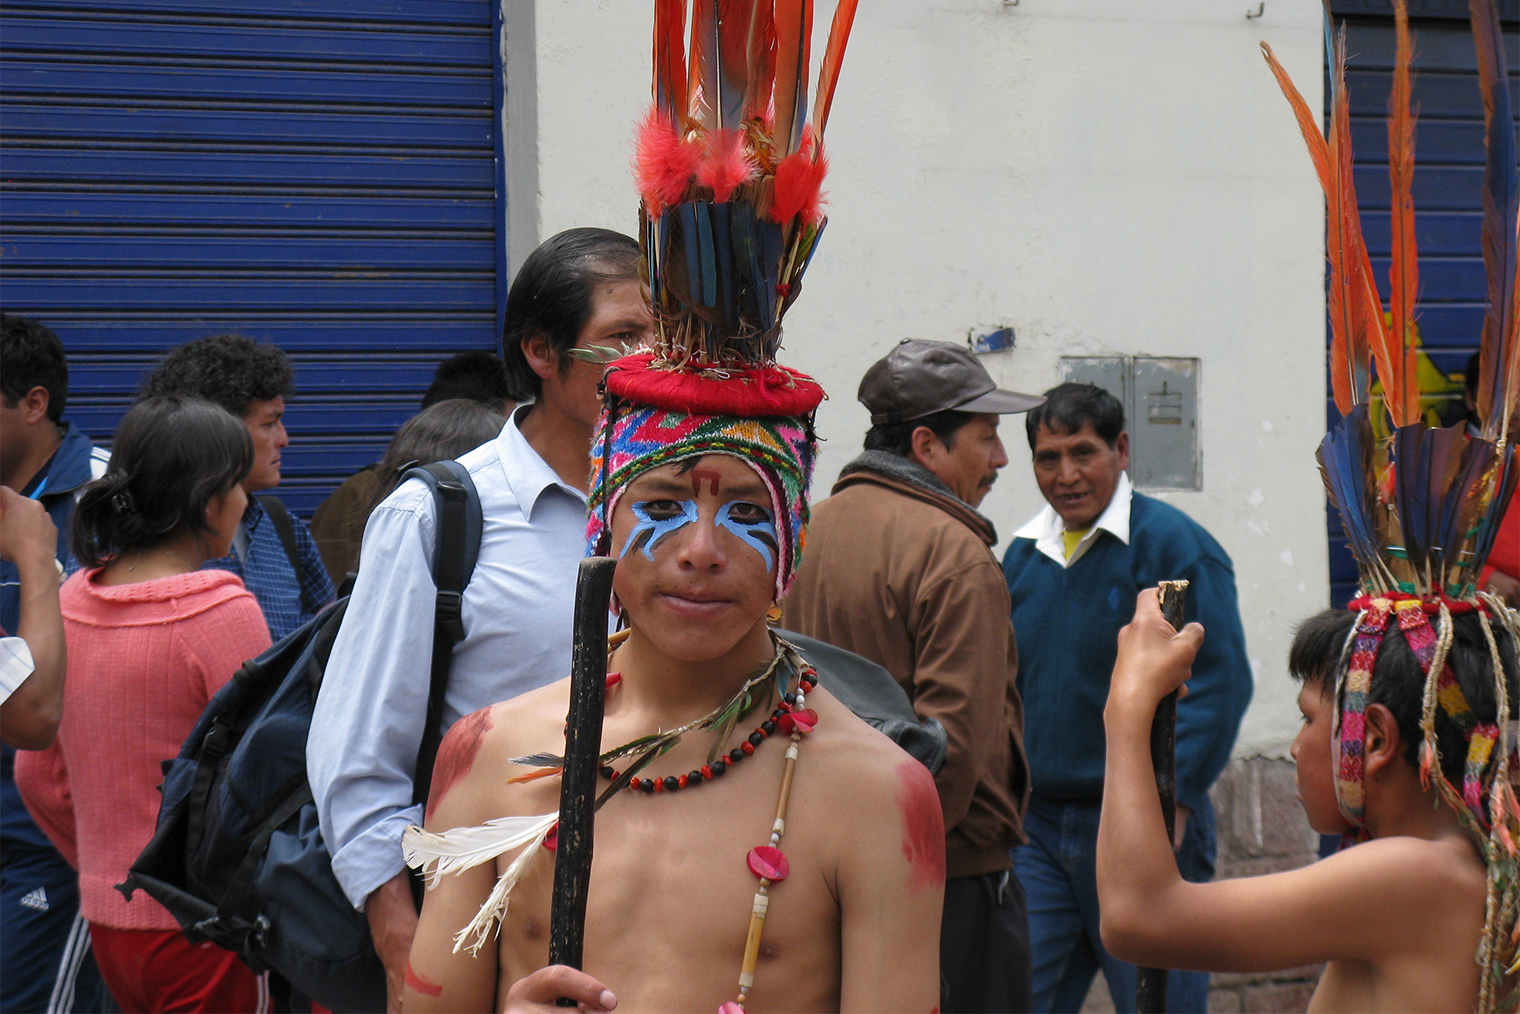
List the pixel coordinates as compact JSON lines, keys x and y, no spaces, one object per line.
{"x":463,"y":848}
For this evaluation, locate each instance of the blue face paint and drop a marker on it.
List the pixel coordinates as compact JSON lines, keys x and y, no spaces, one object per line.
{"x":650,"y":531}
{"x":759,"y":534}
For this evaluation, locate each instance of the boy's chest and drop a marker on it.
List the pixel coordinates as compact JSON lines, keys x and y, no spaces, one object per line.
{"x":671,"y":896}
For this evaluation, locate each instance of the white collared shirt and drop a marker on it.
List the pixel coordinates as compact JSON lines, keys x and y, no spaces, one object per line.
{"x":1047,"y":529}
{"x":517,"y":619}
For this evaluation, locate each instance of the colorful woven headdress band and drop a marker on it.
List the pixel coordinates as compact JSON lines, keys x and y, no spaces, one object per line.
{"x":633,"y":438}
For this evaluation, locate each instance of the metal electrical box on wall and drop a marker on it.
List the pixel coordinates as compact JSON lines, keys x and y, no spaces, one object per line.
{"x":1160,"y":399}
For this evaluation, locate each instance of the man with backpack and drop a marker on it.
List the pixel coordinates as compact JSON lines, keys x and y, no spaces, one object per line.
{"x":274,"y":552}
{"x":579,"y":290}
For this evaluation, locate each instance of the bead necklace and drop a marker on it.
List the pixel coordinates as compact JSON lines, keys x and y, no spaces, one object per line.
{"x":784,"y":719}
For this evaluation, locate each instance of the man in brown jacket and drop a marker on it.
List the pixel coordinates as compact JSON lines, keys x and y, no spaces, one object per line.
{"x":899,"y":569}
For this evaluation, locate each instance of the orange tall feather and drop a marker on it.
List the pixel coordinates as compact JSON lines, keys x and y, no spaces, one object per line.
{"x":702,"y":66}
{"x":670,"y":59}
{"x":761,"y":59}
{"x":794,"y":27}
{"x":1401,"y":388}
{"x":828,"y":73}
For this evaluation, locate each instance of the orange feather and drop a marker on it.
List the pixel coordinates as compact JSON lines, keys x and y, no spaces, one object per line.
{"x":1401,"y":390}
{"x":833,"y":56}
{"x":761,"y":59}
{"x":670,"y":59}
{"x":794,"y":28}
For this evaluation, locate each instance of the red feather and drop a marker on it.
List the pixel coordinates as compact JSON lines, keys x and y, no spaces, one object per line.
{"x":670,"y":58}
{"x":727,"y":165}
{"x":798,"y":188}
{"x":663,"y":163}
{"x":833,"y":56}
{"x":794,"y":27}
{"x":1401,"y":390}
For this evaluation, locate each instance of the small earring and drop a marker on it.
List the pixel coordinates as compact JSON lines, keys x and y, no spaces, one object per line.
{"x":773,"y":614}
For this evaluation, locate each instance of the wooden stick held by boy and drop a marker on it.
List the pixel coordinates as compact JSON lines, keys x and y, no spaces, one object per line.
{"x":1150,"y":988}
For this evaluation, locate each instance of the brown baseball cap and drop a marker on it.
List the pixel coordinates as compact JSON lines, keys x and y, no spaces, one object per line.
{"x":919,"y":378}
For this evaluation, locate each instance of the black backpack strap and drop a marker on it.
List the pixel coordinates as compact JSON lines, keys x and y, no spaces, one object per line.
{"x":457,"y":506}
{"x":285,"y":528}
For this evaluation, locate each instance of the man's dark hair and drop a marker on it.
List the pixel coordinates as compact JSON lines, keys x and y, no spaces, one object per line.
{"x":32,"y":356}
{"x":552,"y":293}
{"x":476,"y":376}
{"x":228,"y":369}
{"x":1069,"y":407}
{"x":897,"y":438}
{"x":1398,"y":682}
{"x":170,"y":456}
{"x":1315,"y":653}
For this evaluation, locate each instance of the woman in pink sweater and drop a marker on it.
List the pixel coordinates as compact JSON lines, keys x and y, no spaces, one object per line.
{"x":150,"y":638}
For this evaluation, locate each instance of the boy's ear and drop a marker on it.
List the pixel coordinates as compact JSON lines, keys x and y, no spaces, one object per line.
{"x":1382,"y":744}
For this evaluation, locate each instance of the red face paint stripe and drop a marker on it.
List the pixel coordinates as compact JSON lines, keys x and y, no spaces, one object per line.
{"x":713,"y":478}
{"x":421,"y":985}
{"x":456,"y":754}
{"x":923,"y":841}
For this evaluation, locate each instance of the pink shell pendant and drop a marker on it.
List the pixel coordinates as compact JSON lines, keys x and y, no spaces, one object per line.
{"x":730,"y":1008}
{"x":769,"y":863}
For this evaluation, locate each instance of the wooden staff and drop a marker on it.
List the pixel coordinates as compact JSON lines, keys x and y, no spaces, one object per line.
{"x":583,"y":747}
{"x":1150,"y":993}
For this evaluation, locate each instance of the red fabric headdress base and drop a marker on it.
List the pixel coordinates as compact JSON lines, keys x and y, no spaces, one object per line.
{"x":749,"y":393}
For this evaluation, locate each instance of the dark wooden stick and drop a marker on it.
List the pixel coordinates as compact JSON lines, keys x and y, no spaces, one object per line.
{"x":1150,"y":993}
{"x":583,"y":747}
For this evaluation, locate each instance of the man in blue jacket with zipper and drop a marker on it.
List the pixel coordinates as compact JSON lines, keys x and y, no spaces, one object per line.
{"x":45,"y":960}
{"x":1073,"y":573}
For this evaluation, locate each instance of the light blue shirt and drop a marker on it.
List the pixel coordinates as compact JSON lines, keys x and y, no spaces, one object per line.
{"x":517,"y":620}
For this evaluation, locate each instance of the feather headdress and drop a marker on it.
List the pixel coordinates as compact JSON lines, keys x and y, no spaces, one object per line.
{"x":730,"y":172}
{"x":1421,"y":505}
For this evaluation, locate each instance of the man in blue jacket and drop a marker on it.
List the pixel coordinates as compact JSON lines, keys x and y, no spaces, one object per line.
{"x":1073,"y":573}
{"x":45,"y":961}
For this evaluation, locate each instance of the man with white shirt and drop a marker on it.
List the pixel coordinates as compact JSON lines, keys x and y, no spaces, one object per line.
{"x":1073,"y":573}
{"x":579,"y":290}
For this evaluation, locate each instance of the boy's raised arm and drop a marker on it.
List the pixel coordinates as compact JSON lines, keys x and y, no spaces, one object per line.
{"x":891,"y":893}
{"x":1364,"y":903}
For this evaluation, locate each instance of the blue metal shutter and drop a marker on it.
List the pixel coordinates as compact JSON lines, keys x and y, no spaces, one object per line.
{"x":1448,"y":182}
{"x":321,"y":174}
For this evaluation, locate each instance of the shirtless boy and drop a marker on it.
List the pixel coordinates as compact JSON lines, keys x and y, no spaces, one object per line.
{"x":1398,"y":918}
{"x":853,"y":926}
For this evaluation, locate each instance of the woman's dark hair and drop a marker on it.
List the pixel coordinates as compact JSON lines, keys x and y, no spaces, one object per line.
{"x":1398,"y":683}
{"x":1069,"y":407}
{"x":229,"y":369}
{"x":169,"y":457}
{"x":552,"y":294}
{"x":437,"y":433}
{"x":897,"y":438}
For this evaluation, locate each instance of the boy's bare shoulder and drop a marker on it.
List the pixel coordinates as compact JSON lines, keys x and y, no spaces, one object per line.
{"x":1403,"y":870}
{"x":864,"y":766}
{"x":477,"y":752}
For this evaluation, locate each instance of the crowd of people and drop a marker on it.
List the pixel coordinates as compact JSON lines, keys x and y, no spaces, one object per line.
{"x":1002,"y":877}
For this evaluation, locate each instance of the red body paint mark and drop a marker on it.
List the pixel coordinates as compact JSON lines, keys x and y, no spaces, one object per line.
{"x":713,"y":478}
{"x":923,"y":841}
{"x":420,"y":984}
{"x":456,"y":754}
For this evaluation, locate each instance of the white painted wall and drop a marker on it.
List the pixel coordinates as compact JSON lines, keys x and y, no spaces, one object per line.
{"x":1108,"y":176}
